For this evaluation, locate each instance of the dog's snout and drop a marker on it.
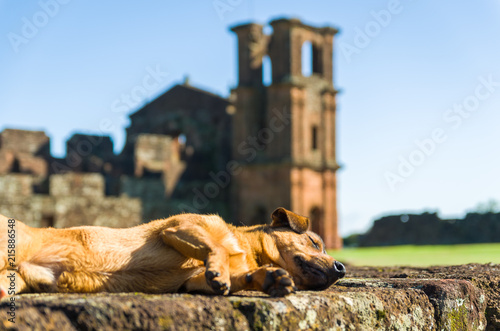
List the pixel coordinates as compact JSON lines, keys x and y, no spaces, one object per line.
{"x":339,"y":269}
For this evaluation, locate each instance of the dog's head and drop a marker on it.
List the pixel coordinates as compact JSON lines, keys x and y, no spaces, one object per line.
{"x":301,"y":252}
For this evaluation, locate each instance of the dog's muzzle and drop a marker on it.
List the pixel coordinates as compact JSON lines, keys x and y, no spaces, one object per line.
{"x":319,"y":276}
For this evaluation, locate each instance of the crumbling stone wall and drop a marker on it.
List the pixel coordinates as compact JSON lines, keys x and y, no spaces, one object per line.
{"x":89,"y":153}
{"x":429,"y":229}
{"x":22,"y":141}
{"x":74,"y":184}
{"x":75,"y":199}
{"x":24,"y":152}
{"x":162,"y":155}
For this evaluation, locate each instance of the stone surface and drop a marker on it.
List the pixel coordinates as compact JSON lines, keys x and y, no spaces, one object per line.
{"x":482,"y":276}
{"x":439,"y":298}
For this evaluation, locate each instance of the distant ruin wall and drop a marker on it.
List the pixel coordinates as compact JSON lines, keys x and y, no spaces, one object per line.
{"x":429,"y":229}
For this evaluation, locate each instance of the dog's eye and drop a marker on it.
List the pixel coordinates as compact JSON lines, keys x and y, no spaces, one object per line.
{"x":315,"y":244}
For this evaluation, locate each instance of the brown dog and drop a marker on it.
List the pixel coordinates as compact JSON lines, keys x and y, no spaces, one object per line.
{"x":186,"y":252}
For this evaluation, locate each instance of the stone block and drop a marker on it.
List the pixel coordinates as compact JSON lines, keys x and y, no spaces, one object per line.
{"x":16,"y":185}
{"x":89,"y":185}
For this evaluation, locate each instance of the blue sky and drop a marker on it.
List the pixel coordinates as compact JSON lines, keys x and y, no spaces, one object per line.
{"x":418,"y":116}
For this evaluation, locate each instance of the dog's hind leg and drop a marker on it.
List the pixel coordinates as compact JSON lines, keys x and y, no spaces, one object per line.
{"x":88,"y":282}
{"x":193,"y":241}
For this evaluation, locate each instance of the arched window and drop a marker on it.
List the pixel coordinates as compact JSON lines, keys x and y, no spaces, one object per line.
{"x":267,"y":71}
{"x":16,"y":166}
{"x":307,"y":59}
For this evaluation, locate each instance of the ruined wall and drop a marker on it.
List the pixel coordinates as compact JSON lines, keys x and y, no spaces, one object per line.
{"x":429,"y":229}
{"x":89,"y":153}
{"x":159,"y":154}
{"x":24,"y":151}
{"x":77,"y":184}
{"x":23,"y":141}
{"x":16,"y":192}
{"x":74,"y":200}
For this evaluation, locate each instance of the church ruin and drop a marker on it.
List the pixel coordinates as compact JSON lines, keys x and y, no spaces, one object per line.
{"x":269,"y":144}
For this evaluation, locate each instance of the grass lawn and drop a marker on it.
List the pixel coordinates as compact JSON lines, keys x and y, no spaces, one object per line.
{"x":420,"y":256}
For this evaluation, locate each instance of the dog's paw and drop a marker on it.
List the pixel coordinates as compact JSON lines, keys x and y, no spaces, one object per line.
{"x":217,"y":283}
{"x":278,"y":283}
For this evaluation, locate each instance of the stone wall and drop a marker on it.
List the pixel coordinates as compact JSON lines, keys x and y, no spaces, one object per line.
{"x":111,"y":211}
{"x":162,"y":155}
{"x":89,"y":153}
{"x":397,"y":298}
{"x":23,"y":141}
{"x":74,"y":200}
{"x":77,"y":184}
{"x":429,"y":229}
{"x":24,"y":151}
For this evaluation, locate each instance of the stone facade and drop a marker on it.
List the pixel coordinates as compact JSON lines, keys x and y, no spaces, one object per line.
{"x":286,"y":130}
{"x":193,"y":151}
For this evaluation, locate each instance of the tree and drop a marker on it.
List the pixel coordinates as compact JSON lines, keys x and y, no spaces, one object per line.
{"x":490,"y":206}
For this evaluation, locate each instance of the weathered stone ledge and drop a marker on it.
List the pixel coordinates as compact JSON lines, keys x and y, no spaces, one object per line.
{"x":444,"y":298}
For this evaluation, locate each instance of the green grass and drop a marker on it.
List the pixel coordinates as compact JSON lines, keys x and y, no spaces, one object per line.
{"x":421,"y":256}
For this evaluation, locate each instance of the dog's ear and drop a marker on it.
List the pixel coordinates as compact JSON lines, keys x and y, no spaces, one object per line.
{"x":283,"y":217}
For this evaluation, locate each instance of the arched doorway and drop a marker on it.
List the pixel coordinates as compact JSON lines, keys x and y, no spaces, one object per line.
{"x":316,"y":217}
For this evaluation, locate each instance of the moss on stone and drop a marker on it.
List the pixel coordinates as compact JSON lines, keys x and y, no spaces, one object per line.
{"x":165,"y":322}
{"x":381,"y":314}
{"x":458,"y":319}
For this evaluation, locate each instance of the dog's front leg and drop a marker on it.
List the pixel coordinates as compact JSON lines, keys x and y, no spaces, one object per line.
{"x":193,"y":241}
{"x":274,"y":281}
{"x":271,"y":280}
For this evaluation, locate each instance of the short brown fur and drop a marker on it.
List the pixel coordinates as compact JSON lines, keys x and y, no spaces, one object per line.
{"x":186,"y":252}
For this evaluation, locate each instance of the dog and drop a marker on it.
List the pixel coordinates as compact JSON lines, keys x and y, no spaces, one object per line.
{"x":182,"y":253}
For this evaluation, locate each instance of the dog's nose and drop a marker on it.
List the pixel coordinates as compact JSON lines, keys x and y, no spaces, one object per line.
{"x":339,"y":269}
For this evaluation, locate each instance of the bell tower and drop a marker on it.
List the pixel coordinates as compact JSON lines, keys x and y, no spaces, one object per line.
{"x":284,"y":131}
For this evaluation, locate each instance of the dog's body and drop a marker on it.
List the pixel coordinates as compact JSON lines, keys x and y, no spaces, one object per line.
{"x":186,"y":252}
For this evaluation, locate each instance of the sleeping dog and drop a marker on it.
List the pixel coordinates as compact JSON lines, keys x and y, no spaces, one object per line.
{"x":182,"y":253}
